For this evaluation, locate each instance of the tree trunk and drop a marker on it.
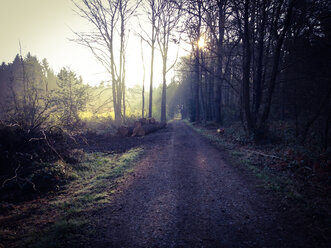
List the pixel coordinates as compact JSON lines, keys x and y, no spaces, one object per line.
{"x":218,"y":93}
{"x":150,"y":108}
{"x":164,"y":91}
{"x":197,"y":97}
{"x":143,"y":102}
{"x":246,"y":70}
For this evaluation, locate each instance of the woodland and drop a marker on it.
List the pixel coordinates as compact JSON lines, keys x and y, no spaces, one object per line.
{"x":256,"y":76}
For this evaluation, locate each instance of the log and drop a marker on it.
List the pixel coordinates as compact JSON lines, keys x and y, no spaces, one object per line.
{"x":124,"y":131}
{"x":151,"y":120}
{"x":146,"y":129}
{"x":143,"y":121}
{"x":137,"y":124}
{"x":138,"y":131}
{"x":263,"y":154}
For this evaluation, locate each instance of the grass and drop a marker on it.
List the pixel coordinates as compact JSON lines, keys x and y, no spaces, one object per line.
{"x":269,"y":179}
{"x":61,"y":234}
{"x":94,"y":182}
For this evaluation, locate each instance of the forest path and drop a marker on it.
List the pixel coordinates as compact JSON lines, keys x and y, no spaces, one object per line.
{"x":184,"y":194}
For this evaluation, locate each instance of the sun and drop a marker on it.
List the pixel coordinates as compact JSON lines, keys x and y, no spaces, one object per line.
{"x":201,"y":42}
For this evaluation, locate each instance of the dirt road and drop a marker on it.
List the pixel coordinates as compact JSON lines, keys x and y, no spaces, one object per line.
{"x":184,"y":194}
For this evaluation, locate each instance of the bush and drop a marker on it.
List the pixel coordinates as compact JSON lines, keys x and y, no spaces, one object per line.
{"x":34,"y":161}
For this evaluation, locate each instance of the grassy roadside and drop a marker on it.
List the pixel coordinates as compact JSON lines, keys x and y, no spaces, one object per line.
{"x":266,"y":169}
{"x":296,"y":196}
{"x":93,"y":183}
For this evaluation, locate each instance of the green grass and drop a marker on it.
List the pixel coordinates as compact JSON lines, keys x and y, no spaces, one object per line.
{"x":60,"y":234}
{"x":94,"y":181}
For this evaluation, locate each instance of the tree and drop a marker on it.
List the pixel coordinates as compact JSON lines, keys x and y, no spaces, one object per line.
{"x":167,"y":20}
{"x":70,"y":98}
{"x":25,"y":101}
{"x":272,"y":20}
{"x":143,"y":88}
{"x":152,"y":9}
{"x":110,"y":19}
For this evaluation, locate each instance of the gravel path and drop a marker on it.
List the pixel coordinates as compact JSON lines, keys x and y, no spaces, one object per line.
{"x":183,"y":194}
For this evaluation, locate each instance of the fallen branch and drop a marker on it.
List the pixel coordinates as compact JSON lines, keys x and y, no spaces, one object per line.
{"x":52,"y":148}
{"x":19,"y":178}
{"x":12,"y":178}
{"x":263,"y":154}
{"x":36,"y":139}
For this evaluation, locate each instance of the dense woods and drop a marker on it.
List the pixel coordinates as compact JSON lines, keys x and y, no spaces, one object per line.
{"x":263,"y":63}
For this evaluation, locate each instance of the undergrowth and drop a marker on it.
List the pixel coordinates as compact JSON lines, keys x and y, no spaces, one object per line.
{"x":94,"y":182}
{"x":272,"y":177}
{"x":288,"y":174}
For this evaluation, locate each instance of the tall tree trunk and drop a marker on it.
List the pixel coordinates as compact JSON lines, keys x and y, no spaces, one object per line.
{"x":327,"y":128}
{"x":143,"y":102}
{"x":197,"y":79}
{"x":246,"y":70}
{"x":219,"y":73}
{"x":164,"y":91}
{"x":211,"y":94}
{"x":276,"y":59}
{"x":143,"y":88}
{"x":260,"y":49}
{"x":150,"y":108}
{"x":118,"y":107}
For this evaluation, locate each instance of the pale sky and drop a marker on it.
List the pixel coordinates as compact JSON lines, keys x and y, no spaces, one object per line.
{"x":44,"y":28}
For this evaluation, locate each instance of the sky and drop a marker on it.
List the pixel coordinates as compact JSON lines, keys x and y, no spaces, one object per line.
{"x":44,"y":28}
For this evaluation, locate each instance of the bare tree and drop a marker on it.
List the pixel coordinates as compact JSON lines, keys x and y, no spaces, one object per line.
{"x":167,"y":20}
{"x":153,"y":10}
{"x":109,"y":19}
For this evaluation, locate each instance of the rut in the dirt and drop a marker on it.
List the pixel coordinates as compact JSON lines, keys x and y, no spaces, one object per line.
{"x":183,"y":194}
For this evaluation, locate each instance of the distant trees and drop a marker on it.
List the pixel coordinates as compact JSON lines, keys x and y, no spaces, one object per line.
{"x":33,"y":97}
{"x":25,"y":97}
{"x":153,"y":10}
{"x":167,"y":21}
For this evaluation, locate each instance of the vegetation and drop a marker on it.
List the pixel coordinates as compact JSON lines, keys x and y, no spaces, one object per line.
{"x":291,"y":173}
{"x":92,"y":183}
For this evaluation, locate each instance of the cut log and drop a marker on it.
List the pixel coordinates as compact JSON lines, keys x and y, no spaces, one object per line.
{"x":124,"y":131}
{"x":138,"y":131}
{"x":137,"y":124}
{"x":146,"y":129}
{"x":151,"y":120}
{"x":143,"y":121}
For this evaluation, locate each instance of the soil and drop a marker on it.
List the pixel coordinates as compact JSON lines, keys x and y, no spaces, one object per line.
{"x":184,"y":194}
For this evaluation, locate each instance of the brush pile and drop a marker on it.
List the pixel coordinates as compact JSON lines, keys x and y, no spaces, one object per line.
{"x":33,"y":161}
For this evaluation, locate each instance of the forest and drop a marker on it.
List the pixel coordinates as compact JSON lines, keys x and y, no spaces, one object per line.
{"x":240,"y":85}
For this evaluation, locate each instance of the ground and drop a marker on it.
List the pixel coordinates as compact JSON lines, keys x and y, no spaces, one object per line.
{"x":183,"y":192}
